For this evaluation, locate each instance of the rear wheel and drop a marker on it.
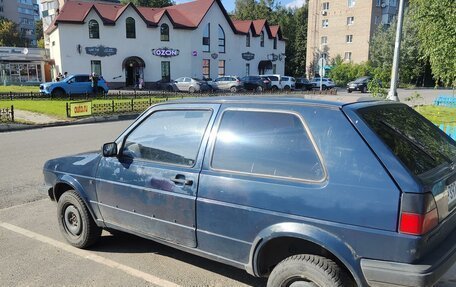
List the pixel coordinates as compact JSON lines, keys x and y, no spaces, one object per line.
{"x":75,"y":221}
{"x":286,"y":88}
{"x":100,"y":91}
{"x":309,"y":271}
{"x":233,"y":89}
{"x":191,"y":90}
{"x":349,"y":91}
{"x":364,"y":89}
{"x":259,"y":89}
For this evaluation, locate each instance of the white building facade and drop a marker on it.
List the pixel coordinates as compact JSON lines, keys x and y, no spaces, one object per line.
{"x":196,"y":39}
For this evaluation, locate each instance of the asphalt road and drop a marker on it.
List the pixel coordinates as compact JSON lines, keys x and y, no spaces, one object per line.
{"x":33,"y":253}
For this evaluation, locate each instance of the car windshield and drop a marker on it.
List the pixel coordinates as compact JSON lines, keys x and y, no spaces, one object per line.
{"x":419,"y":144}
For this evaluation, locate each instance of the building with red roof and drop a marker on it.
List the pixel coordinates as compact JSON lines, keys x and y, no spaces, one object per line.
{"x":196,"y":39}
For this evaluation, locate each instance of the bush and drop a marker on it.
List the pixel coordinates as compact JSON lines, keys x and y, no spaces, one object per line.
{"x":343,"y":73}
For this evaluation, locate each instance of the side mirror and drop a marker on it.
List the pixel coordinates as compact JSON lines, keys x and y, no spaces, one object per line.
{"x":110,"y":149}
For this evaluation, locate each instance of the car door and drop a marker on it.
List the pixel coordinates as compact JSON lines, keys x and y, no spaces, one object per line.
{"x":150,"y":188}
{"x":180,"y":84}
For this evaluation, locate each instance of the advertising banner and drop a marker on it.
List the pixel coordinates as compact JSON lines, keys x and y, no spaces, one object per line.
{"x":79,"y":109}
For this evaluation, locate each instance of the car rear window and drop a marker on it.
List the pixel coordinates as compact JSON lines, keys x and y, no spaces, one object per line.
{"x":266,"y":143}
{"x":419,"y":144}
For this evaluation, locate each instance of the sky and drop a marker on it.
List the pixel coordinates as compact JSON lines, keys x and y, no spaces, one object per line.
{"x":229,"y":4}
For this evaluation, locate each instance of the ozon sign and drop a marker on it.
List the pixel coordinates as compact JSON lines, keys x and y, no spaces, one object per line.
{"x":165,"y":52}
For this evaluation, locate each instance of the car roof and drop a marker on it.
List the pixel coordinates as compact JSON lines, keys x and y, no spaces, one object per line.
{"x":293,"y":100}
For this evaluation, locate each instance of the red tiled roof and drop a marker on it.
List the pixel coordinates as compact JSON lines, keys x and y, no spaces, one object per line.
{"x":187,"y":15}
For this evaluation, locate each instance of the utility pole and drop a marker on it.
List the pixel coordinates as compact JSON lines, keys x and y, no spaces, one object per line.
{"x":392,"y":94}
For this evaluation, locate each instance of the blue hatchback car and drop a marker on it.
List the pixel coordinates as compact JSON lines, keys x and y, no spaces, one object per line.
{"x":304,"y":192}
{"x":71,"y":85}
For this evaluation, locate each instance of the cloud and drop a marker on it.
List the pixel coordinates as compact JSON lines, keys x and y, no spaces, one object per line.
{"x":296,"y":4}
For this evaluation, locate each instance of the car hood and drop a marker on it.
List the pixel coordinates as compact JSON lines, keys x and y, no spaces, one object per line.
{"x":81,"y":164}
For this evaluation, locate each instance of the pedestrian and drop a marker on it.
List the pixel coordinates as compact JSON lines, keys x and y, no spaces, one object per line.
{"x":94,"y":80}
{"x":141,"y":83}
{"x":59,"y":77}
{"x":65,"y":75}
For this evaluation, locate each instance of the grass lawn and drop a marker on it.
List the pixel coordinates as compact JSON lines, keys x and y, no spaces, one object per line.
{"x":438,"y":114}
{"x":19,"y":89}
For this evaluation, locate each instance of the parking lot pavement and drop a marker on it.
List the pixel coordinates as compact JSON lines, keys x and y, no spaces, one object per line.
{"x":35,"y":254}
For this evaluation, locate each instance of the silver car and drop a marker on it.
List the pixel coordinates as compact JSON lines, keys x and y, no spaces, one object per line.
{"x":227,"y":83}
{"x":191,"y":85}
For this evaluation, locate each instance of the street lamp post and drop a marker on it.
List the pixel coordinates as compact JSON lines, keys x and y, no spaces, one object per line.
{"x":392,"y":94}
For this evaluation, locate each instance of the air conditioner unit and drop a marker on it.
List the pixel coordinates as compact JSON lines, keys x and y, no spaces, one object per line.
{"x":383,"y":5}
{"x":324,"y":12}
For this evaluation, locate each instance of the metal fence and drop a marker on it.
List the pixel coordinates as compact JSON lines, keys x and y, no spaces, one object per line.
{"x":7,"y":114}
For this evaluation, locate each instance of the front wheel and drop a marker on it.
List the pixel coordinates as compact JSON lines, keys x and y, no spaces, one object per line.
{"x":364,"y":90}
{"x":191,"y":90}
{"x":58,"y":93}
{"x":233,"y":89}
{"x":309,"y":271}
{"x":75,"y":221}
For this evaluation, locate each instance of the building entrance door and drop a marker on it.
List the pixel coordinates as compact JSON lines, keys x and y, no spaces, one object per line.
{"x":134,"y":70}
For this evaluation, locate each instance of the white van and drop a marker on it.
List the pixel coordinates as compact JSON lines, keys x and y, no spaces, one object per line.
{"x":276,"y":81}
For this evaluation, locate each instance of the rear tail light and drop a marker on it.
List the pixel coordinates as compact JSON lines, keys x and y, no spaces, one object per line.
{"x":266,"y":81}
{"x":419,"y":213}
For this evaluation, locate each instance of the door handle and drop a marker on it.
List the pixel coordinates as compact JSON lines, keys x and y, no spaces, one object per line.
{"x":182,"y":181}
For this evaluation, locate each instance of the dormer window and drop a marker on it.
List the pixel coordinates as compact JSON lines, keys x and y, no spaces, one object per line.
{"x":164,"y":32}
{"x":130,"y":28}
{"x":94,"y":30}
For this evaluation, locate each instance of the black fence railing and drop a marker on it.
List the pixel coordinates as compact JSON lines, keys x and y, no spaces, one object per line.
{"x":7,"y":115}
{"x":122,"y":94}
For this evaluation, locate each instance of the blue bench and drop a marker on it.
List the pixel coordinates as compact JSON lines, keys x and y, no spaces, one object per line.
{"x":447,"y":101}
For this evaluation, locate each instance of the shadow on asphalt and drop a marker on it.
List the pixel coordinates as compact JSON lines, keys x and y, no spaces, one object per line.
{"x":121,"y":242}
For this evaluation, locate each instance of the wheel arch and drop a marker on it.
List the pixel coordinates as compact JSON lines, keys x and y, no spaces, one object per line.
{"x":70,"y":183}
{"x":282,"y":240}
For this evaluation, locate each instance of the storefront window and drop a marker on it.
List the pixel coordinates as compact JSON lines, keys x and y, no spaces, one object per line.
{"x":207,"y":38}
{"x":221,"y":68}
{"x":206,"y":68}
{"x":221,"y":39}
{"x":95,"y":67}
{"x":130,"y":28}
{"x":20,"y":73}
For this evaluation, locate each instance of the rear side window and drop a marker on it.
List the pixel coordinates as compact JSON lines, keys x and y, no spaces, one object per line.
{"x":419,"y":144}
{"x":273,"y":78}
{"x":266,"y":143}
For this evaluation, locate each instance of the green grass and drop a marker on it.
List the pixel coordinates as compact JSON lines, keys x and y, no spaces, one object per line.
{"x":19,"y":89}
{"x":438,"y":114}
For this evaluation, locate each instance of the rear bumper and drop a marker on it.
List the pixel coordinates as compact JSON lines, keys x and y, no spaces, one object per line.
{"x":426,"y":273}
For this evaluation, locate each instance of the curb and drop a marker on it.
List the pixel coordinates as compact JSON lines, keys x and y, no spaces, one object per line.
{"x":90,"y":120}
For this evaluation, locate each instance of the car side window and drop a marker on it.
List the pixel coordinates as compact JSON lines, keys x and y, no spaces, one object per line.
{"x":266,"y":143}
{"x":171,"y":136}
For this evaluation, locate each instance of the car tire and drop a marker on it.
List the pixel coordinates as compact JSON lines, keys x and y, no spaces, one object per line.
{"x":323,"y":87}
{"x":170,"y":89}
{"x":259,"y":89}
{"x":233,"y":89}
{"x":58,"y":93}
{"x":286,"y":88}
{"x":191,"y":90}
{"x":349,"y":91}
{"x":75,"y":221}
{"x":274,"y":88}
{"x":100,"y":91}
{"x":308,"y":270}
{"x":364,"y":89}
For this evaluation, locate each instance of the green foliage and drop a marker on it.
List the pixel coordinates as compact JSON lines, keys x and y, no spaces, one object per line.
{"x":376,"y":88}
{"x":9,"y":34}
{"x":342,"y":73}
{"x":411,"y":64}
{"x":435,"y":21}
{"x":149,"y":3}
{"x":39,"y":33}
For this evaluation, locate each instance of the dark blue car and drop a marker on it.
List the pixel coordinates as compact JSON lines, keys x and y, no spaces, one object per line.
{"x":307,"y":193}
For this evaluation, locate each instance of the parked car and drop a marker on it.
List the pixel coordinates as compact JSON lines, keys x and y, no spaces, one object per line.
{"x":326,"y":83}
{"x":276,"y":81}
{"x":191,"y":85}
{"x":227,"y":83}
{"x":163,"y":84}
{"x":307,"y":192}
{"x":359,"y":84}
{"x":74,"y":84}
{"x":303,"y":84}
{"x":288,"y":83}
{"x":256,"y":83}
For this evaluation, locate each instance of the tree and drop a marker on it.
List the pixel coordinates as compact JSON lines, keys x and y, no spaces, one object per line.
{"x":149,"y":3}
{"x":39,"y":33}
{"x":9,"y":34}
{"x":435,"y":21}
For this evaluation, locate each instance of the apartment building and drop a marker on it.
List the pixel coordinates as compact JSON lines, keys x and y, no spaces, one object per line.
{"x":25,"y":13}
{"x":345,"y":28}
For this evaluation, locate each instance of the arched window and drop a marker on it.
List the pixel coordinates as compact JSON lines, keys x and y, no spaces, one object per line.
{"x":164,"y":32}
{"x":94,"y":30}
{"x":262,"y":39}
{"x":247,"y":40}
{"x":207,"y":38}
{"x":221,"y":39}
{"x":130,"y":28}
